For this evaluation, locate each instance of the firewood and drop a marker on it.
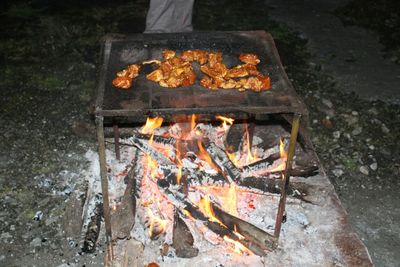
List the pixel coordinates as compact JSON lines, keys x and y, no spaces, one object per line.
{"x":218,"y":155}
{"x":252,"y":233}
{"x":149,"y":150}
{"x":260,"y":164}
{"x":123,"y":218}
{"x":182,"y":203}
{"x":182,"y":239}
{"x":93,"y":230}
{"x":234,"y":136}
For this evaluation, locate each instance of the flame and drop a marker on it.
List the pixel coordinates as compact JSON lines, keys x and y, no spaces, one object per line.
{"x":203,"y":154}
{"x":233,"y":158}
{"x":155,"y":221}
{"x":151,"y":125}
{"x":226,"y":122}
{"x":238,"y":248}
{"x":229,"y":203}
{"x":206,"y":208}
{"x":282,"y":150}
{"x":178,"y":163}
{"x":193,"y":122}
{"x":250,"y":157}
{"x":283,"y":154}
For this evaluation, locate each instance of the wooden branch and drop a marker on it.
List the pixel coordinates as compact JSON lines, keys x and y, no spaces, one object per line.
{"x":182,"y":238}
{"x":161,"y":140}
{"x":229,"y":170}
{"x":254,"y":234}
{"x":182,"y":203}
{"x":123,"y":218}
{"x":149,"y":150}
{"x":93,"y":230}
{"x":260,"y":164}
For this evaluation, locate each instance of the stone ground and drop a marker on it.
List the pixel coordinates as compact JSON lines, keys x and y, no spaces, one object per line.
{"x":48,"y":58}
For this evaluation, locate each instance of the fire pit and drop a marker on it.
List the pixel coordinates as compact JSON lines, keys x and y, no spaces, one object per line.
{"x":199,"y":179}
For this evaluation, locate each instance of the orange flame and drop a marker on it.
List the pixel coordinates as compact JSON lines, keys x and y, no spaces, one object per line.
{"x":229,"y":203}
{"x":233,"y":158}
{"x":193,"y":122}
{"x":203,"y":154}
{"x":151,"y":125}
{"x":226,"y":122}
{"x":206,"y":208}
{"x":154,"y":221}
{"x":178,"y":163}
{"x":250,"y":157}
{"x":238,"y":248}
{"x":283,"y":154}
{"x":282,"y":150}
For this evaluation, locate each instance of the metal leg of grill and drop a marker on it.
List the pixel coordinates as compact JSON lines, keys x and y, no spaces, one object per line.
{"x":104,"y":185}
{"x":286,"y":174}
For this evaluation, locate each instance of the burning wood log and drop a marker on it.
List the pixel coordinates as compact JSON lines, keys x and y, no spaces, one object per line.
{"x":93,"y":230}
{"x":149,"y":150}
{"x":161,"y":140}
{"x":255,"y":235}
{"x":257,"y":244}
{"x":234,"y":136}
{"x":123,"y":218}
{"x":182,"y":239}
{"x":196,"y":177}
{"x":229,"y":170}
{"x":260,"y":164}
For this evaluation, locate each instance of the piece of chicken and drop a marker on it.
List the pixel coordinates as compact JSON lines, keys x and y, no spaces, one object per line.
{"x":200,"y":56}
{"x":249,"y":58}
{"x":122,"y":82}
{"x":167,"y":54}
{"x":125,"y":77}
{"x":173,"y":71}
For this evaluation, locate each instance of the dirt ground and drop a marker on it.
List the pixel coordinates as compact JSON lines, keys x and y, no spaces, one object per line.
{"x":49,"y":53}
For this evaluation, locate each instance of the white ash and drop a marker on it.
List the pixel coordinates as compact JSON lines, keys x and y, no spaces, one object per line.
{"x":307,"y":237}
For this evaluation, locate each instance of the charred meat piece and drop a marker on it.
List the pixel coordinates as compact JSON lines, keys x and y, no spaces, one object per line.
{"x":200,"y":56}
{"x":173,"y":71}
{"x":125,"y":77}
{"x":249,"y":58}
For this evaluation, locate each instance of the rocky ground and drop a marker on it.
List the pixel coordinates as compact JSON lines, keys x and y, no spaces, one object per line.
{"x":49,"y":54}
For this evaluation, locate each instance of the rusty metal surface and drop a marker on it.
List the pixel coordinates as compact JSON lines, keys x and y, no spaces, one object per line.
{"x":146,"y":98}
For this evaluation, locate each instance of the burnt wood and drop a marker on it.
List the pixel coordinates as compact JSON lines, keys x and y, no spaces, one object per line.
{"x":182,"y":239}
{"x":93,"y":230}
{"x":255,"y":239}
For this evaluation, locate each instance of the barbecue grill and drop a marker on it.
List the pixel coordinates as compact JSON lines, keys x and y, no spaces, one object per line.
{"x":146,"y":98}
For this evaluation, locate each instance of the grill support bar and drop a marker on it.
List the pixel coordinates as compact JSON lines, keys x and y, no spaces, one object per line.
{"x":104,"y":185}
{"x":286,"y":174}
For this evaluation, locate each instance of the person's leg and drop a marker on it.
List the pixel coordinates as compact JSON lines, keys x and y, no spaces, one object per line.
{"x":169,"y":16}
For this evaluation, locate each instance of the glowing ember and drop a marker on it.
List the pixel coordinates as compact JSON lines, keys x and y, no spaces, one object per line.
{"x":151,"y":125}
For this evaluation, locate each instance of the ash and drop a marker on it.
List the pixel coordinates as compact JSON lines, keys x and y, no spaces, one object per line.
{"x":308,"y":236}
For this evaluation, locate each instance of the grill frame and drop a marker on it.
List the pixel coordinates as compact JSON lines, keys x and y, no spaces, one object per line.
{"x":146,"y":98}
{"x":280,"y":99}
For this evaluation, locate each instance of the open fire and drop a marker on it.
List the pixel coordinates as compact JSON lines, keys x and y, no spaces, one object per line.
{"x":188,"y":171}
